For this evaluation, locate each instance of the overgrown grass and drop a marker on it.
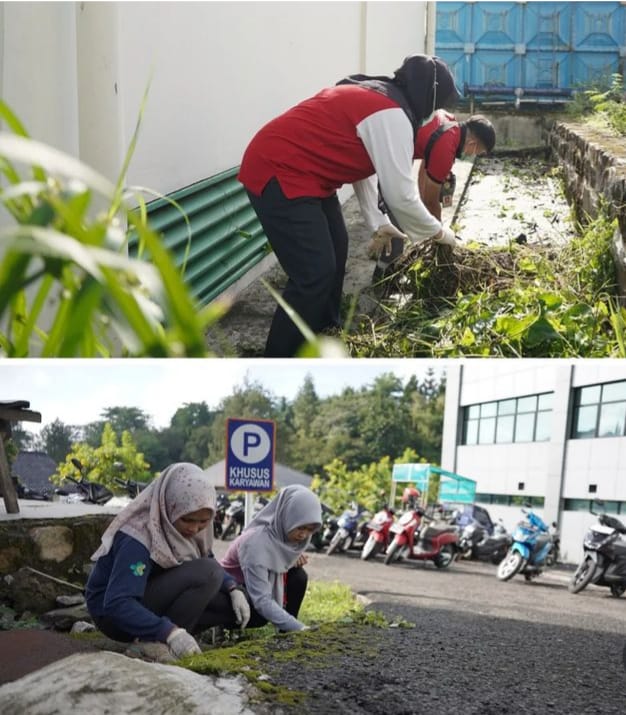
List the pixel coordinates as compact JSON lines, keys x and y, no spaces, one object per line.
{"x":67,"y":285}
{"x":515,"y":301}
{"x":603,"y":104}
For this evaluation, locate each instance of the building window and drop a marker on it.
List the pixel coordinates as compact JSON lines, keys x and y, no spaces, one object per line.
{"x":510,"y":500}
{"x":600,"y":411}
{"x":519,"y":419}
{"x":604,"y":507}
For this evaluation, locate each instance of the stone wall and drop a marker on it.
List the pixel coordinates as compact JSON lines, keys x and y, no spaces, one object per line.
{"x":594,"y":166}
{"x":40,"y":557}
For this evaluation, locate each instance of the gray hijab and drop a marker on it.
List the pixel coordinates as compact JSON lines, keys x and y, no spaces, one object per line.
{"x":264,"y":540}
{"x":180,"y":489}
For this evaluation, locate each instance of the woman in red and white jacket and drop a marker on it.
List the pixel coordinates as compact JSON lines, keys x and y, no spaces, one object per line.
{"x":345,"y":134}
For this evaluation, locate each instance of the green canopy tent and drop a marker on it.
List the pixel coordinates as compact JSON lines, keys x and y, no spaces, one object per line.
{"x":452,"y":487}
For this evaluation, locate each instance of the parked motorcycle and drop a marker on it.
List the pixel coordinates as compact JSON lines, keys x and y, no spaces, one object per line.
{"x":234,"y":518}
{"x":322,"y":537}
{"x":221,"y":505}
{"x":604,"y":562}
{"x":91,"y":492}
{"x":477,"y":543}
{"x":418,"y":536}
{"x":379,"y":536}
{"x":533,"y":548}
{"x":235,"y":515}
{"x":349,"y":530}
{"x":24,"y":492}
{"x":132,"y":487}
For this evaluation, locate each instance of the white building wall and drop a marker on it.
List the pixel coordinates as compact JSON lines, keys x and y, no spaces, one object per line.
{"x":38,"y":77}
{"x":560,"y":469}
{"x":76,"y":73}
{"x":505,"y":466}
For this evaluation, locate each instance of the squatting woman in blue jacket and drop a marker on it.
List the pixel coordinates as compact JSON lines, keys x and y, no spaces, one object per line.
{"x":155,"y":576}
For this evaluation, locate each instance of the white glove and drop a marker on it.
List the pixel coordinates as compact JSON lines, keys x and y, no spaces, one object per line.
{"x":381,"y":239}
{"x":241,"y":607}
{"x":182,"y":643}
{"x":446,"y":237}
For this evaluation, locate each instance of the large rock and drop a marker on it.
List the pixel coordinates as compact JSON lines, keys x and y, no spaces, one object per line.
{"x":109,"y":683}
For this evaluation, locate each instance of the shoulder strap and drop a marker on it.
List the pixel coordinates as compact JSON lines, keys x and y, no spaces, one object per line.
{"x":434,"y":136}
{"x":384,"y":85}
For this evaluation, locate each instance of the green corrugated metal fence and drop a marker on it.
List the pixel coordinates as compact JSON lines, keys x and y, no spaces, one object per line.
{"x":226,"y":237}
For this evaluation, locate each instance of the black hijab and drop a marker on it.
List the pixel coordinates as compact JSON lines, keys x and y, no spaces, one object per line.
{"x":420,"y":86}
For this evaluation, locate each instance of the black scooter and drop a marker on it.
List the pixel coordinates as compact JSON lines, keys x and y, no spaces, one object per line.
{"x":223,"y":502}
{"x":321,"y":538}
{"x":132,"y":487}
{"x":477,"y":543}
{"x":604,"y":562}
{"x":91,"y":492}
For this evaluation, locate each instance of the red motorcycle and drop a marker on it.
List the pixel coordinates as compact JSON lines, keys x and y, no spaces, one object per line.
{"x":379,"y":535}
{"x":434,"y":541}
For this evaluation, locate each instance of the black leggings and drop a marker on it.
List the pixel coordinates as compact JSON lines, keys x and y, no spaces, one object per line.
{"x":181,"y":593}
{"x":220,"y":613}
{"x":310,"y":240}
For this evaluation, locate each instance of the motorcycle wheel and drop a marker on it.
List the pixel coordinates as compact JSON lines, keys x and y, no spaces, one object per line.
{"x":393,"y":553}
{"x":370,"y":548}
{"x":335,"y":542}
{"x":617,"y":589}
{"x":510,"y":565}
{"x":582,"y":576}
{"x":445,"y":557}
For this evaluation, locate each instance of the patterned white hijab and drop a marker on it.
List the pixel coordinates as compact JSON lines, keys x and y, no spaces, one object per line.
{"x":180,"y":489}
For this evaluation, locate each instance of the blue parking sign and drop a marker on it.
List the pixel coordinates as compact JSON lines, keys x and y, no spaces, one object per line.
{"x":250,"y":454}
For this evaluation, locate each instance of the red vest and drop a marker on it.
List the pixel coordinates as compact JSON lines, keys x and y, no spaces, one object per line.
{"x":313,"y":148}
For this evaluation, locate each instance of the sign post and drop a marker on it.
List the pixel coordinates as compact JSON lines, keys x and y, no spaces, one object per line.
{"x":249,"y":463}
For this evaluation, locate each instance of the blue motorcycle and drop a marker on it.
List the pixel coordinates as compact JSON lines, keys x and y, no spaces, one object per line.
{"x":350,"y":530}
{"x":534,"y":547}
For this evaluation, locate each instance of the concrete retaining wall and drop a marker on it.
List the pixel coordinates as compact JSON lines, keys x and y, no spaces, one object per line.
{"x":61,"y":548}
{"x":594,"y":166}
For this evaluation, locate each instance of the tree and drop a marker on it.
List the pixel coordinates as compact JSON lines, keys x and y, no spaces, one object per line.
{"x":56,"y":439}
{"x":368,"y":485}
{"x":92,"y":433}
{"x":154,"y":449}
{"x":101,"y":463}
{"x":21,"y":438}
{"x":126,"y":419}
{"x":196,"y":448}
{"x":188,"y":435}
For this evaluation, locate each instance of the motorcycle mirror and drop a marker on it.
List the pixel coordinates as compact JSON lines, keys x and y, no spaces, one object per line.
{"x":119,"y":466}
{"x":77,"y":464}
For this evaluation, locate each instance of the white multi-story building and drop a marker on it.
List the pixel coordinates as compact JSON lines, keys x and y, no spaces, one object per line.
{"x":548,"y":432}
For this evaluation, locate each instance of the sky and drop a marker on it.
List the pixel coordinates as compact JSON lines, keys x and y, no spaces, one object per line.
{"x":76,"y":391}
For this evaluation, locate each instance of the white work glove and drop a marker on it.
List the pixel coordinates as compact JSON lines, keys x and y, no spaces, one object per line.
{"x":241,"y":607}
{"x":182,"y":643}
{"x":381,"y":239}
{"x":446,"y":237}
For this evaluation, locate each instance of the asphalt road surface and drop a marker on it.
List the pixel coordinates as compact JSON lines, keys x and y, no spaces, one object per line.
{"x":480,"y":646}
